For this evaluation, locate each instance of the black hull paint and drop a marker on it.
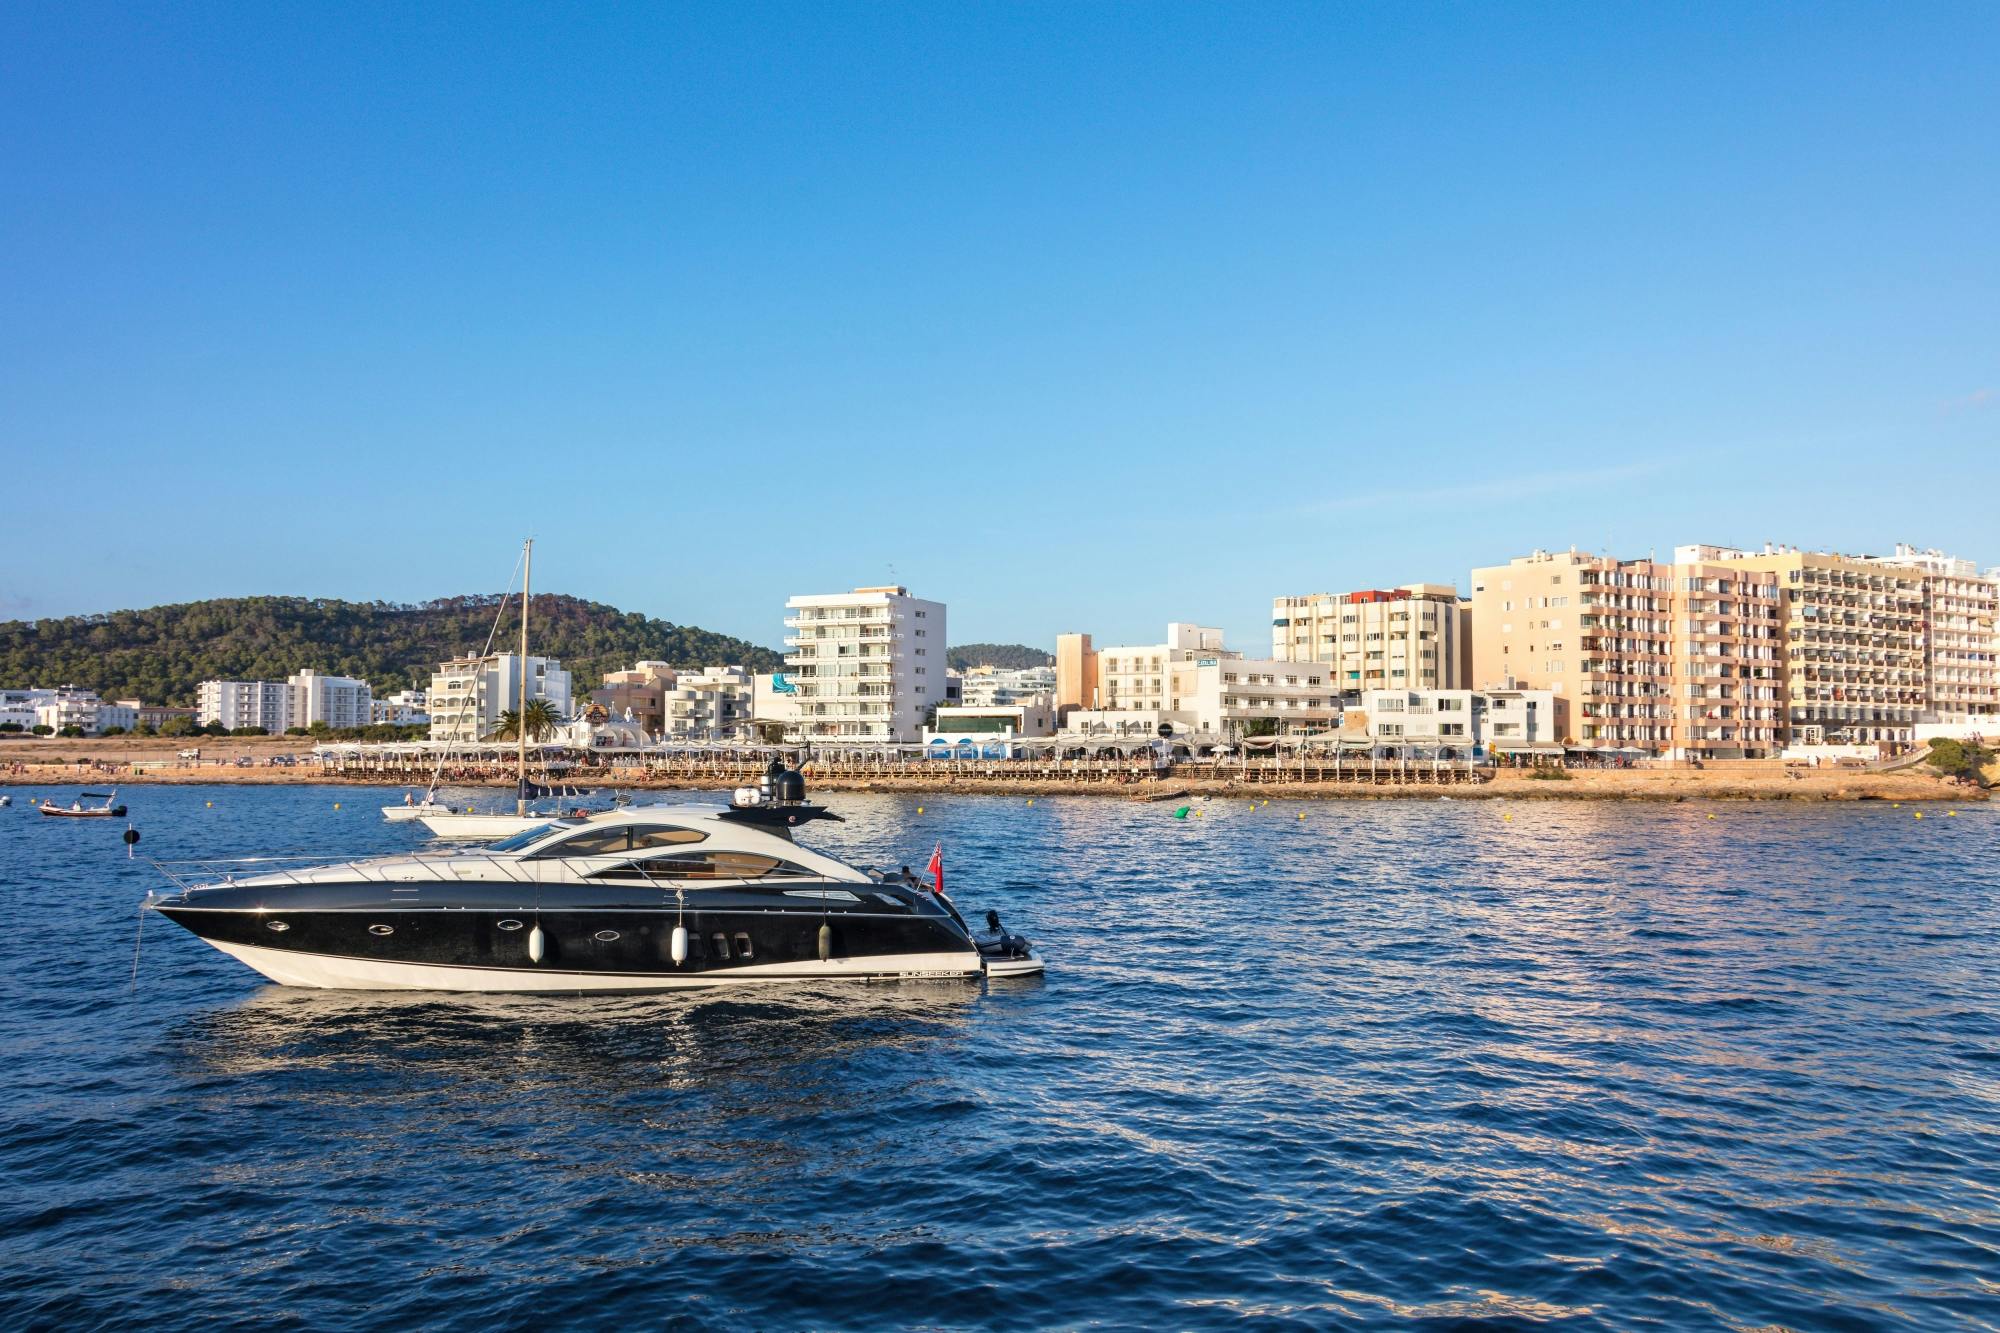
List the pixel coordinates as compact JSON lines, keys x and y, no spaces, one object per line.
{"x":618,"y":928}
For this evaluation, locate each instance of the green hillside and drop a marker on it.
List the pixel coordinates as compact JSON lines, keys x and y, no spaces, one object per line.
{"x":162,"y":653}
{"x":1006,"y":656}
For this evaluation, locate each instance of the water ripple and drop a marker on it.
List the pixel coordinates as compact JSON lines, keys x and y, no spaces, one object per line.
{"x":1389,"y":1064}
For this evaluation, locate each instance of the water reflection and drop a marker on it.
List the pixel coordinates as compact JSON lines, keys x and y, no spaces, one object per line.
{"x":608,"y":1042}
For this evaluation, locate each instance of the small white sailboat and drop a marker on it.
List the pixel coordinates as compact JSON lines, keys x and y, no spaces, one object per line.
{"x":411,"y":808}
{"x":489,"y":827}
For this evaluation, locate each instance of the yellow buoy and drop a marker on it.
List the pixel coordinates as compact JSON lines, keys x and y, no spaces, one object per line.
{"x":336,"y":805}
{"x":1506,"y":816}
{"x":211,"y":805}
{"x":1952,"y":813}
{"x":1031,"y":800}
{"x":1918,"y":813}
{"x":1302,"y":814}
{"x":1711,"y":816}
{"x":920,"y":809}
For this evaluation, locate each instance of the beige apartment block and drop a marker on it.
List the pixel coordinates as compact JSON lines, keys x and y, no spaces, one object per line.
{"x":1665,"y":659}
{"x":1417,"y":636}
{"x":1961,"y":633}
{"x":1853,"y":644}
{"x":1076,"y":673}
{"x":1728,"y":651}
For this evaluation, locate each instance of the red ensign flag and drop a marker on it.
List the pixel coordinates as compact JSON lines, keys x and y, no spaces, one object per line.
{"x":936,"y":869}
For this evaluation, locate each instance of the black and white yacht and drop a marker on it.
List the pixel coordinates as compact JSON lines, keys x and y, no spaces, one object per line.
{"x":648,"y":898}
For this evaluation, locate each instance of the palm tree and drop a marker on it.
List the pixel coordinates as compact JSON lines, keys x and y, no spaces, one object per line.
{"x":543,"y":719}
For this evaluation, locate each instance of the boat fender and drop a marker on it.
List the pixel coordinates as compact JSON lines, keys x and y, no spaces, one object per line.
{"x":535,"y":945}
{"x":825,"y":941}
{"x":679,"y":948}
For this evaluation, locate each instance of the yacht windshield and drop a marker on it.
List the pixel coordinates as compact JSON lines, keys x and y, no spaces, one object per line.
{"x":525,"y":838}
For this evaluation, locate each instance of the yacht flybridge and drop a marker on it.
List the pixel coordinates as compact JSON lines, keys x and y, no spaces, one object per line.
{"x":654,"y":898}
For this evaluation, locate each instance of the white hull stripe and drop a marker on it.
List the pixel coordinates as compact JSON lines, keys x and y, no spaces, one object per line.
{"x":330,"y":972}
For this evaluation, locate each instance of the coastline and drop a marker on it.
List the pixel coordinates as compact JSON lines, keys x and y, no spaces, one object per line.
{"x":75,"y":764}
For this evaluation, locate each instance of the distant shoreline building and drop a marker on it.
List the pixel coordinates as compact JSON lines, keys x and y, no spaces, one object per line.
{"x":1193,"y":683}
{"x":1077,"y":683}
{"x":301,"y":700}
{"x":1503,"y":721}
{"x":1417,"y":636}
{"x":468,"y":694}
{"x":64,"y":707}
{"x":235,"y":704}
{"x":989,"y":687}
{"x":1853,"y":643}
{"x":405,"y":708}
{"x":867,"y":664}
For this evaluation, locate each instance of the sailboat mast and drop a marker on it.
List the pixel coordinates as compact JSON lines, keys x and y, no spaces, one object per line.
{"x":521,"y":705}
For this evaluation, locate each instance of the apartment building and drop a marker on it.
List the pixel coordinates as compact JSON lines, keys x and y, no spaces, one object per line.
{"x":1676,"y":659}
{"x":639,"y":693}
{"x":1502,"y":720}
{"x":468,"y":694}
{"x":1077,"y":683}
{"x":712,"y":704}
{"x":157,"y":715}
{"x":1728,"y":660}
{"x":1853,"y":643}
{"x":1194,"y":683}
{"x":246,"y":703}
{"x":405,"y":708}
{"x":990,"y":687}
{"x":867,"y":664}
{"x":1961,"y":636}
{"x":1417,"y":636}
{"x":64,"y":707}
{"x":338,"y":701}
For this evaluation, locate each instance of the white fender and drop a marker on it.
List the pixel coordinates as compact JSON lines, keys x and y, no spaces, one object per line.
{"x":680,"y":944}
{"x":535,"y":945}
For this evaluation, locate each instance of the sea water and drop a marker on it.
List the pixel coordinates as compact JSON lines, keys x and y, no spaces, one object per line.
{"x":1324,"y":1064}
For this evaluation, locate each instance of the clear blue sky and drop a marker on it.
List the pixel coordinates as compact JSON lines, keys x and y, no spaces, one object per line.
{"x":1077,"y":316}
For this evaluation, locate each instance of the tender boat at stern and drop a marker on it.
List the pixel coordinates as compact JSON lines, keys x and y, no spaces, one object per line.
{"x":654,"y":898}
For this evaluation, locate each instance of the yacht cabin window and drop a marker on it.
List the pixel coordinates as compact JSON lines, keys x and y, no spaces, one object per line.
{"x":623,"y":838}
{"x":707,"y":865}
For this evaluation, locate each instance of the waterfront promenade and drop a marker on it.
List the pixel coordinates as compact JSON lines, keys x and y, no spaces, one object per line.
{"x":247,"y":760}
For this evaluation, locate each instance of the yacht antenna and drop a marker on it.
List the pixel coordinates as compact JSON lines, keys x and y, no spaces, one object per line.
{"x":521,"y":705}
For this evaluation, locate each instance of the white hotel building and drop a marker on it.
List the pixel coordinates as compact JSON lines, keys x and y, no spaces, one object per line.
{"x":1194,"y":683}
{"x":468,"y":694}
{"x":867,"y":664}
{"x":303,"y":699}
{"x":246,"y":703}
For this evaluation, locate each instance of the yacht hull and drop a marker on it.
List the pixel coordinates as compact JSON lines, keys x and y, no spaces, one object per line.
{"x":330,"y":972}
{"x":480,"y":828}
{"x":397,"y":947}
